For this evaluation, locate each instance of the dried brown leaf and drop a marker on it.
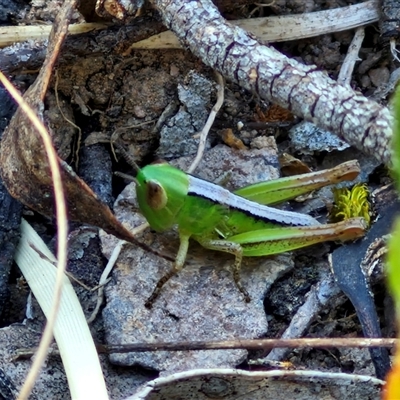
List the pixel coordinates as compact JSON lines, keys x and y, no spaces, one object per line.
{"x":23,"y":162}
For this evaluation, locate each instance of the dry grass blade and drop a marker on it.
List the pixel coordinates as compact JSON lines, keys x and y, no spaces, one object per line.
{"x":74,"y":339}
{"x":13,"y":34}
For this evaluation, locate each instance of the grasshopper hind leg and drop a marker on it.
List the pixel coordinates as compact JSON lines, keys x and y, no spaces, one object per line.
{"x":234,"y":249}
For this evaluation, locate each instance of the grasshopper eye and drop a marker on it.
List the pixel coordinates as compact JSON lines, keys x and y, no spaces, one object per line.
{"x":155,"y":195}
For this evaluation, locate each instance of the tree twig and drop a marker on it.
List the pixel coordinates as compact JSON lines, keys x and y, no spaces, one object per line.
{"x":346,"y":70}
{"x":250,"y":344}
{"x":210,"y":120}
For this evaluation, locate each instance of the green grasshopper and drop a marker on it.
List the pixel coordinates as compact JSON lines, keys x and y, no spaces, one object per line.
{"x":240,"y":223}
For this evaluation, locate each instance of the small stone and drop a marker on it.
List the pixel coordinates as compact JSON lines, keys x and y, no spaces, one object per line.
{"x":174,"y":70}
{"x":139,"y":112}
{"x":379,"y":76}
{"x":365,"y":81}
{"x":307,"y":138}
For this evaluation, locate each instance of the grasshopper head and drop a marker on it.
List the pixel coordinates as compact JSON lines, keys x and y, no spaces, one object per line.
{"x":161,"y":191}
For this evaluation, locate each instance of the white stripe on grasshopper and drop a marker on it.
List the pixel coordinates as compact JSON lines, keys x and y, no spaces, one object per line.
{"x":222,"y":196}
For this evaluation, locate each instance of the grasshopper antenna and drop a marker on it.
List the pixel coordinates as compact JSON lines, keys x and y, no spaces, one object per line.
{"x":128,"y":157}
{"x":125,"y":176}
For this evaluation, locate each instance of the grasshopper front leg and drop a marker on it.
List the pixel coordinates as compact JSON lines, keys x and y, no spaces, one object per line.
{"x":178,"y":265}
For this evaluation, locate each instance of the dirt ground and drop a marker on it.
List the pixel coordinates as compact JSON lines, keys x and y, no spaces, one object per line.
{"x":154,"y":101}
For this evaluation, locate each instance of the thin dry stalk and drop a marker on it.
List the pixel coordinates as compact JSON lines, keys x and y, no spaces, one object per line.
{"x":210,"y":120}
{"x":62,"y":232}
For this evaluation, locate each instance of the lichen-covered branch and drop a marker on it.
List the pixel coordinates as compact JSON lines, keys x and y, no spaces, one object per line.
{"x":304,"y":90}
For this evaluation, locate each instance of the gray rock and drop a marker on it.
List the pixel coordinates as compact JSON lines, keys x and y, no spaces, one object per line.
{"x":307,"y":138}
{"x":176,"y":137}
{"x":202,"y":301}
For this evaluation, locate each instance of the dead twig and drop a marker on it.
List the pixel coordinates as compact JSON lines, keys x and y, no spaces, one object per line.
{"x":210,"y":120}
{"x":107,"y":270}
{"x":346,"y":70}
{"x":251,"y":344}
{"x":104,"y":278}
{"x":247,"y":344}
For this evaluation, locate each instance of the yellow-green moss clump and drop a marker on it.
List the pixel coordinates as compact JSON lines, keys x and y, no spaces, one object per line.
{"x":349,"y":203}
